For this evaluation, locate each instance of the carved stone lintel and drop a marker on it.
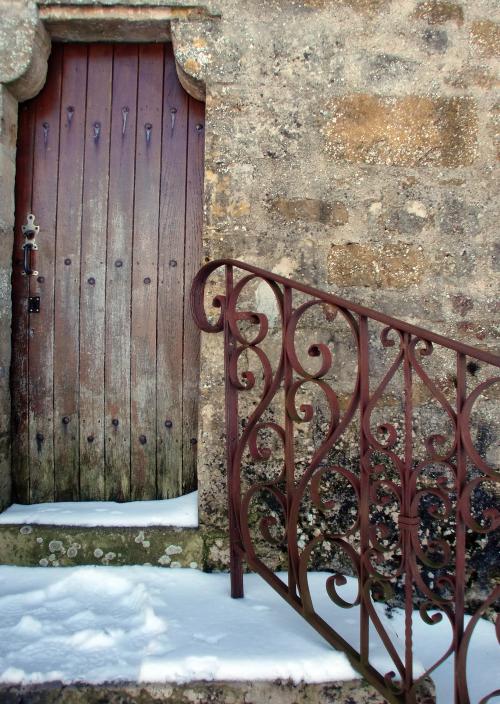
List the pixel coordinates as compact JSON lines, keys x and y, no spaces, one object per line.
{"x":115,"y":22}
{"x":194,"y":86}
{"x":24,"y":68}
{"x":32,"y":74}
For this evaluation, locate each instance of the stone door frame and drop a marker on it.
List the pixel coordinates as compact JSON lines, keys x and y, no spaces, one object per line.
{"x":29,"y":30}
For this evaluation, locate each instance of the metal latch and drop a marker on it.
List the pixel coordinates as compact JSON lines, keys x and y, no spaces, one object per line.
{"x":34,"y":304}
{"x":30,"y":231}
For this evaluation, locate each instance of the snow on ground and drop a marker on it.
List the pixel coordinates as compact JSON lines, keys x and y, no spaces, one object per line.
{"x":181,"y":512}
{"x":148,"y":624}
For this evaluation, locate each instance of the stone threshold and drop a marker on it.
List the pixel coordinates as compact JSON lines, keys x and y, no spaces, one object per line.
{"x":265,"y":692}
{"x":161,"y":533}
{"x":31,"y":545}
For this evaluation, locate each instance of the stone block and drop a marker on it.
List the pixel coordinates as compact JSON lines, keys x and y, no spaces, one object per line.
{"x":66,"y":546}
{"x":407,"y":221}
{"x":397,"y":265}
{"x":409,"y":131}
{"x":435,"y":41}
{"x":361,"y":6}
{"x":312,"y":210}
{"x":437,"y":12}
{"x":389,"y":67}
{"x":457,"y":217}
{"x":17,"y":31}
{"x":485,"y":38}
{"x":8,"y":122}
{"x":473,"y":77}
{"x":5,"y":474}
{"x":218,"y":692}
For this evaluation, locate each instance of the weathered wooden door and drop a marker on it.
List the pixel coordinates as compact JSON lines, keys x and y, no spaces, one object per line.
{"x":105,"y":375}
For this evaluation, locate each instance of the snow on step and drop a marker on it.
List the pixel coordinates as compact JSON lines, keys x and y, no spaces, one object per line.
{"x":180,"y":513}
{"x":147,"y":624}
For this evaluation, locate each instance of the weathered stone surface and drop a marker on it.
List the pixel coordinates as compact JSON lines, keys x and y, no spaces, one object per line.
{"x":485,"y":36}
{"x":435,"y":40}
{"x":462,"y":304}
{"x":312,"y":210}
{"x":410,"y":131}
{"x":437,"y":12}
{"x":389,"y":67}
{"x":277,"y":692}
{"x":17,"y":38}
{"x":393,"y":266}
{"x":409,"y":220}
{"x":5,"y":470}
{"x":474,"y":76}
{"x":456,"y":216}
{"x":54,"y":546}
{"x":8,"y":129}
{"x":362,"y":6}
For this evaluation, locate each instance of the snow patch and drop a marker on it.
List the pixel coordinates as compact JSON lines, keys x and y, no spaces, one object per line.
{"x":147,"y":624}
{"x":181,"y":512}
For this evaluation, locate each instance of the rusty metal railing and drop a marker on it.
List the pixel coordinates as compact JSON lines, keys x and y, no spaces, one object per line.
{"x":414,"y":496}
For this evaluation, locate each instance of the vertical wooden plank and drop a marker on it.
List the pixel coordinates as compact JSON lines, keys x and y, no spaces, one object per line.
{"x":67,"y":273}
{"x":171,"y":283}
{"x":20,"y":316}
{"x":193,"y":254}
{"x":145,"y":266}
{"x":118,"y":279}
{"x":93,"y":265}
{"x":41,"y":343}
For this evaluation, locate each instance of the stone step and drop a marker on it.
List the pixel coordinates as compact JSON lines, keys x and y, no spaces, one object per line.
{"x":143,"y":635}
{"x":64,"y":546}
{"x":158,"y":533}
{"x":276,"y":692}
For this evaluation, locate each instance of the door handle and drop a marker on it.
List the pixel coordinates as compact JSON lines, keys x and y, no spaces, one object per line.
{"x":28,"y":247}
{"x":30,"y":231}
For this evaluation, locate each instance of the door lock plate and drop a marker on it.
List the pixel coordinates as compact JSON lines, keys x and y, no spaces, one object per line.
{"x":34,"y":304}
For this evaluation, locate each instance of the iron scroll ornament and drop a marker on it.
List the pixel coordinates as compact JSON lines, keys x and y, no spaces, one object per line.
{"x":431,"y":489}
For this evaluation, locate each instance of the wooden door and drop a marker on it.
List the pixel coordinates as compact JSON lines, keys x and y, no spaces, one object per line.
{"x":105,"y":375}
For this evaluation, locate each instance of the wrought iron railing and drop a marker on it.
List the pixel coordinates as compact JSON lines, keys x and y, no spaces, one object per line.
{"x":418,"y":493}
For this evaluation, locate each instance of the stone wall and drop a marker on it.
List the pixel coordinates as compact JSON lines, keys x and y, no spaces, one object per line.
{"x":8,"y":111}
{"x":350,"y":144}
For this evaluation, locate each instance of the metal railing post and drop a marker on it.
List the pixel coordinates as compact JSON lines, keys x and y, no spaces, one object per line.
{"x":233,"y":478}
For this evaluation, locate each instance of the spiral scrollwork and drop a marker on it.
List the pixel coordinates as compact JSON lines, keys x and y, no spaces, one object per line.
{"x":407,"y":500}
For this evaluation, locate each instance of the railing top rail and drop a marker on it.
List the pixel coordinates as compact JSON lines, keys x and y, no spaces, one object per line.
{"x":462,"y":348}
